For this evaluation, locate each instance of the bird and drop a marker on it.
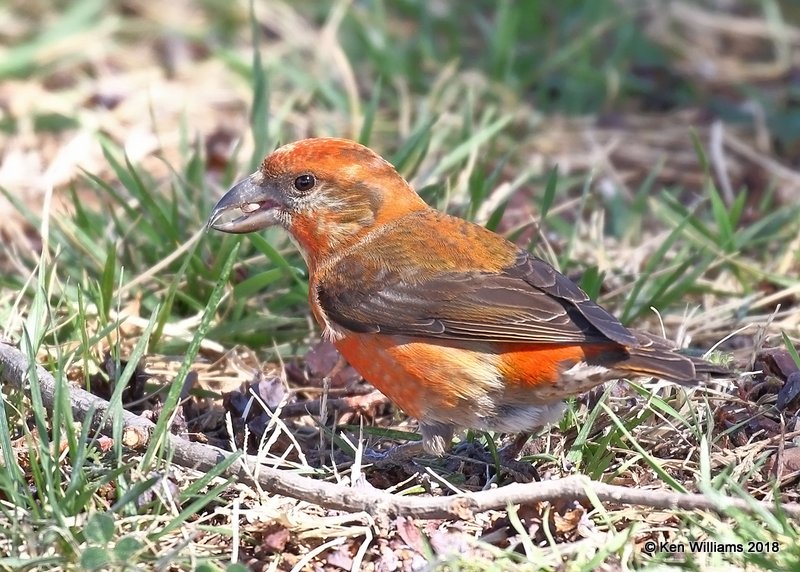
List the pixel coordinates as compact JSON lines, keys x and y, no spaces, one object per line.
{"x":459,"y":327}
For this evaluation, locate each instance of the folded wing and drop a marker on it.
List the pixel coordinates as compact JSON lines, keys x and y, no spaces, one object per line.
{"x":526,"y":302}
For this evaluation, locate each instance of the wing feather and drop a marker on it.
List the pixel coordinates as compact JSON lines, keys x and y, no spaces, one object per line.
{"x":528,"y":302}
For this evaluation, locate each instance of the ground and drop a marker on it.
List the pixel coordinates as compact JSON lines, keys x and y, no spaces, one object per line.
{"x":649,"y":150}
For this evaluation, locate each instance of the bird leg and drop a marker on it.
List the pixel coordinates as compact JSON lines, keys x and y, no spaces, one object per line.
{"x":511,"y":451}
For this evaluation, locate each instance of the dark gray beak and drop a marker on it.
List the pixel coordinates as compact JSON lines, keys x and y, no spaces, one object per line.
{"x":248,"y":206}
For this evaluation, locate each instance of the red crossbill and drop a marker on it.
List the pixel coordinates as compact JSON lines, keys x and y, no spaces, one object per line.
{"x":456,"y":325}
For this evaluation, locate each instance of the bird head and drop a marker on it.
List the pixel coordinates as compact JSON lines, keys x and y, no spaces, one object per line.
{"x":328,"y":193}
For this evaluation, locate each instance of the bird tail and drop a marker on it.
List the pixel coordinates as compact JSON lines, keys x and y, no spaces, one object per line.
{"x":657,"y":357}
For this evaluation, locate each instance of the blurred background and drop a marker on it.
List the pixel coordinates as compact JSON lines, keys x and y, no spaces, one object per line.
{"x":613,"y":85}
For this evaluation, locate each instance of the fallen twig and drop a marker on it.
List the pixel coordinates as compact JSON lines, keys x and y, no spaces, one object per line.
{"x":14,"y":367}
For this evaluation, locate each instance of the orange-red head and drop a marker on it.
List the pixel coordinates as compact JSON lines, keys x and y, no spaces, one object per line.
{"x":326,"y":192}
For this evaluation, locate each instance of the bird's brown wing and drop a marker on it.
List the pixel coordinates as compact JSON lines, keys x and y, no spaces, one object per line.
{"x":527,"y":302}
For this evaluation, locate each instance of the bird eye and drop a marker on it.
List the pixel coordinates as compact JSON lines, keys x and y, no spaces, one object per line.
{"x":304,"y":182}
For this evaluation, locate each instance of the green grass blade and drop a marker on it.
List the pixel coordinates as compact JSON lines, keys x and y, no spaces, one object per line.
{"x":171,"y":400}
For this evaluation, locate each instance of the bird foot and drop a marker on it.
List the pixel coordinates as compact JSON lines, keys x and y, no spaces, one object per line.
{"x":506,"y":458}
{"x":397,"y":455}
